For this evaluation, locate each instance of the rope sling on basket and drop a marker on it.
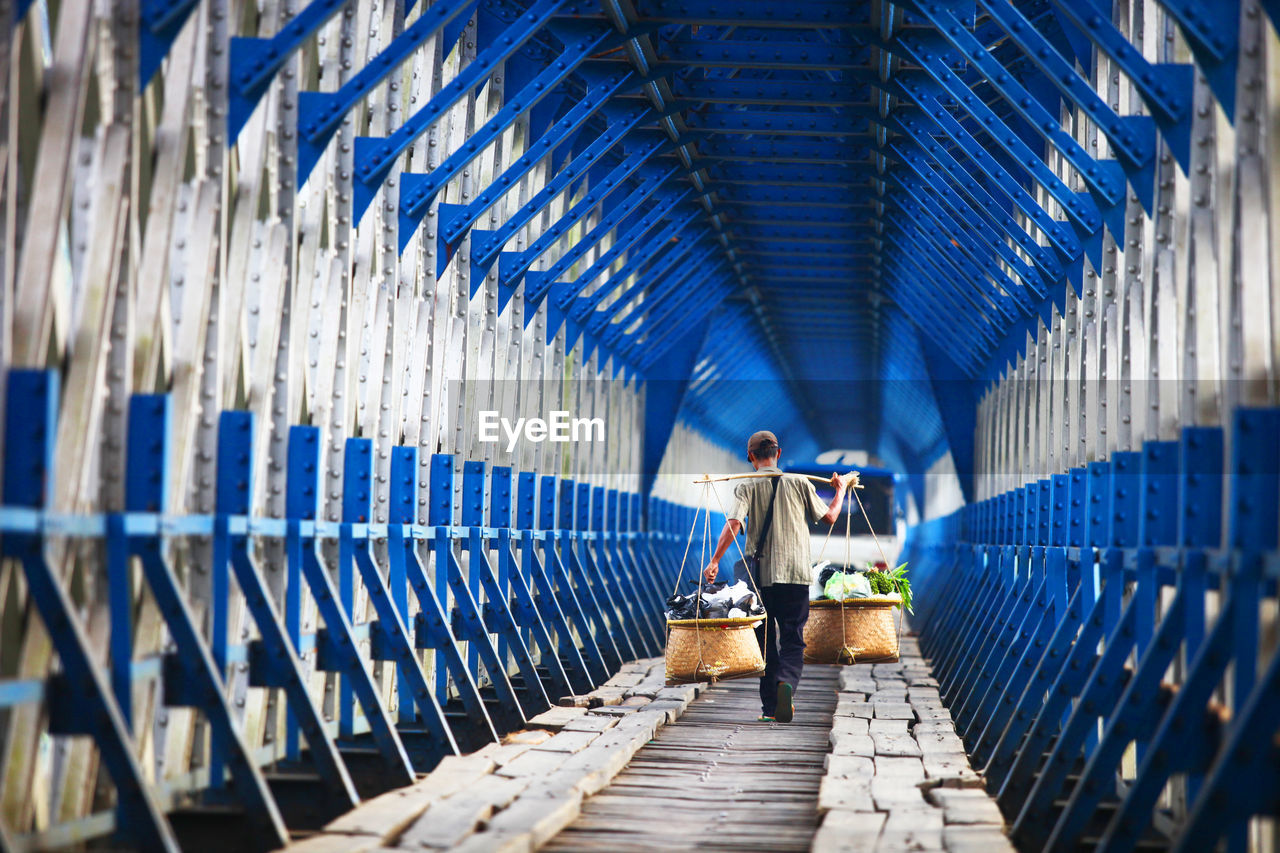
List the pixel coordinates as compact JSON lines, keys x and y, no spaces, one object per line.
{"x":854,"y":630}
{"x":705,"y":649}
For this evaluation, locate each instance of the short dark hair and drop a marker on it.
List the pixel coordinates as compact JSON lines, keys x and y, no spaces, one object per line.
{"x":767,"y":450}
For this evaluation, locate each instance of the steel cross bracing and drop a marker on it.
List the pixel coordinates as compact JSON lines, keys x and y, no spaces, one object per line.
{"x":331,"y":233}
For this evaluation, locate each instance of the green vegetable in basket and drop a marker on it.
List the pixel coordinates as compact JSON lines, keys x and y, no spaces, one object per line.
{"x":889,"y":582}
{"x":880,"y":583}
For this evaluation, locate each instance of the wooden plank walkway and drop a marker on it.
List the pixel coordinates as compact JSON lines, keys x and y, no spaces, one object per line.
{"x":718,"y":779}
{"x":871,"y":764}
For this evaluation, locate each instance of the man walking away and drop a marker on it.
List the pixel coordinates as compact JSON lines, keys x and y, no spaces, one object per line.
{"x":779,"y":536}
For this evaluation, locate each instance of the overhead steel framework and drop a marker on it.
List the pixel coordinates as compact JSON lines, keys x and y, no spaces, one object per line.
{"x":267,"y":267}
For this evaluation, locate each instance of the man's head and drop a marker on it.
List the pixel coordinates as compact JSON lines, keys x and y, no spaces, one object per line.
{"x":762,"y":448}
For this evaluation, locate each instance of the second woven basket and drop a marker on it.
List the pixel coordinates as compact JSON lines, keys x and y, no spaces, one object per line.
{"x":869,"y":633}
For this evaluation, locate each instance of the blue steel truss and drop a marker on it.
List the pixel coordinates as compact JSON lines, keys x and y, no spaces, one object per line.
{"x":1053,"y":662}
{"x":780,"y":203}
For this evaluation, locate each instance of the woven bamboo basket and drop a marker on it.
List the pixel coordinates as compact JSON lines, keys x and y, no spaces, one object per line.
{"x":713,"y":649}
{"x":870,"y":633}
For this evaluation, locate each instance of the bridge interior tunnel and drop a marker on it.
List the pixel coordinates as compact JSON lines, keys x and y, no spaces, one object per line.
{"x":357,"y":358}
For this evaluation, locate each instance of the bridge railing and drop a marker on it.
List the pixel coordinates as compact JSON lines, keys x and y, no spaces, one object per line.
{"x":1096,"y":635}
{"x":383,"y":646}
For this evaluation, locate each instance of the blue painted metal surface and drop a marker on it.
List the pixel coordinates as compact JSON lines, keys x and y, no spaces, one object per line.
{"x":1030,"y":701}
{"x":515,"y":602}
{"x":734,"y":191}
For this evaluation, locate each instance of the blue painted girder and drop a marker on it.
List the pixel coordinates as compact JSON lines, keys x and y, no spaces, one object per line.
{"x":624,"y":332}
{"x":746,"y":13}
{"x":772,"y":54}
{"x":1165,"y":88}
{"x":991,"y":217}
{"x":1211,"y":29}
{"x":973,"y":242}
{"x":812,"y":197}
{"x":537,"y":281}
{"x":1083,"y":211}
{"x":794,"y":175}
{"x":670,"y":241}
{"x":948,"y":264}
{"x":1104,"y":178}
{"x":610,"y":322}
{"x":254,"y":62}
{"x":512,"y":266}
{"x":320,"y":113}
{"x":415,"y":204}
{"x":849,"y":120}
{"x":812,"y":233}
{"x":925,"y":93}
{"x":624,"y":242}
{"x":692,"y":258}
{"x":1132,"y":137}
{"x":747,"y":92}
{"x":977,"y":234}
{"x":780,"y":151}
{"x":563,"y":294}
{"x":485,"y":245}
{"x":455,"y":221}
{"x":160,"y":22}
{"x":375,"y":157}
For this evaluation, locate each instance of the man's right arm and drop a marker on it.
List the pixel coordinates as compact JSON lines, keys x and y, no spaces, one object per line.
{"x":841,"y":482}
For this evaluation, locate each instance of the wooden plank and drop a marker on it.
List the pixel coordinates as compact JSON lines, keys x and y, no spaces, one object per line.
{"x":912,"y":830}
{"x":555,"y":719}
{"x":892,"y":710}
{"x":966,"y":806}
{"x":716,"y":754}
{"x":533,"y":763}
{"x":569,"y":742}
{"x":541,"y":818}
{"x":497,"y":842}
{"x":845,"y":831}
{"x":975,"y":839}
{"x":389,"y":814}
{"x":530,"y":736}
{"x":448,"y":822}
{"x":887,"y":727}
{"x":592,"y":723}
{"x":902,"y":745}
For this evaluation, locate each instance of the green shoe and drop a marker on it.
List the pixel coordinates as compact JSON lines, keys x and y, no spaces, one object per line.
{"x":766,"y":719}
{"x":785,"y":710}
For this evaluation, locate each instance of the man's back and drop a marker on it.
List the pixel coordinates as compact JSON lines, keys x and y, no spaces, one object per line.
{"x":785,"y":558}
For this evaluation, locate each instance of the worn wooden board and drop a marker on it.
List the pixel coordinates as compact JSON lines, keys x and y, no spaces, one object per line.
{"x":966,"y":806}
{"x":902,"y":745}
{"x":848,"y":832}
{"x":593,"y":723}
{"x":975,"y":839}
{"x":541,"y":818}
{"x":717,"y":778}
{"x":568,"y":742}
{"x":555,"y":719}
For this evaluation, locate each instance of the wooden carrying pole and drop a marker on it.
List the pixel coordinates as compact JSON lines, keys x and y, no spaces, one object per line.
{"x":706,"y":478}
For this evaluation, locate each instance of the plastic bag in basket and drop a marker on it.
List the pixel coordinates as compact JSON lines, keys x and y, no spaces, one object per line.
{"x":842,"y":585}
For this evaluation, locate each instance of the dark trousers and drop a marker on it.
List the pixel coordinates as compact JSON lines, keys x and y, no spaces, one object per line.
{"x":782,"y":639}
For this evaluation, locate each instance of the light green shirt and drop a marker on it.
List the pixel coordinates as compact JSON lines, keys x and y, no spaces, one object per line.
{"x":786,"y":555}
